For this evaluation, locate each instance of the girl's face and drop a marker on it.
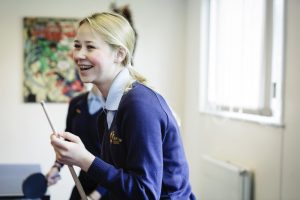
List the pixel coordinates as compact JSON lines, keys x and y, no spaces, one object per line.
{"x":95,"y":59}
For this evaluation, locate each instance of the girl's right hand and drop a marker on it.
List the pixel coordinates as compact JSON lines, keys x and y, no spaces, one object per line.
{"x":70,"y":150}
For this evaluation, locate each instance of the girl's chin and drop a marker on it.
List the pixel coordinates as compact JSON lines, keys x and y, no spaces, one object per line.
{"x":85,"y":79}
{"x":88,"y":79}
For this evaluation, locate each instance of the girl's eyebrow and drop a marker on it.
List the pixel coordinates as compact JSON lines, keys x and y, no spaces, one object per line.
{"x":88,"y":42}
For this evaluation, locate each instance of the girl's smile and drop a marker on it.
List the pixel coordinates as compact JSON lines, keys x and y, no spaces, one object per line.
{"x":85,"y":67}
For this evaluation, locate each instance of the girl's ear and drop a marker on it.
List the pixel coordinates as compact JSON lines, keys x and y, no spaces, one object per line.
{"x":120,"y":55}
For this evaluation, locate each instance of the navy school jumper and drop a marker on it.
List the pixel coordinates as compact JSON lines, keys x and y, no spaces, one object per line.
{"x":142,"y":155}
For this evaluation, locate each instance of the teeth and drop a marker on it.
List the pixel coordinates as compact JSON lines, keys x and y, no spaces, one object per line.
{"x":85,"y":67}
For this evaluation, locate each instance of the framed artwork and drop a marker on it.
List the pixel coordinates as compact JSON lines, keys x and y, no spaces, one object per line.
{"x":49,"y":70}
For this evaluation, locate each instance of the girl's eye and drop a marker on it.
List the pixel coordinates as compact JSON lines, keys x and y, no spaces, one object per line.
{"x":90,"y":47}
{"x":77,"y":46}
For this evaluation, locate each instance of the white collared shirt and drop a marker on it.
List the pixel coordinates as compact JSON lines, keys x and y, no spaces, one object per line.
{"x":94,"y":103}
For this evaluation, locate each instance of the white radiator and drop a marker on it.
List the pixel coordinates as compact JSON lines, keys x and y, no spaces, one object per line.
{"x":223,"y":180}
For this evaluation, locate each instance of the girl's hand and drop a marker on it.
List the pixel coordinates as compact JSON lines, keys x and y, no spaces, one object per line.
{"x":70,"y":150}
{"x":53,"y":176}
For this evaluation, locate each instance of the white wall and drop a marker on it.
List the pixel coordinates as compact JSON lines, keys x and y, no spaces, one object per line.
{"x":24,"y":131}
{"x":271,"y":152}
{"x":291,"y":147}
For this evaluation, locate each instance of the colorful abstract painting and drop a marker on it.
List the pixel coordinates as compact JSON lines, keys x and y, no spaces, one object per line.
{"x":49,"y":70}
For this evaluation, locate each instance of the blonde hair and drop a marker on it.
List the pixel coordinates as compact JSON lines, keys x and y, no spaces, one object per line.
{"x":117,"y":32}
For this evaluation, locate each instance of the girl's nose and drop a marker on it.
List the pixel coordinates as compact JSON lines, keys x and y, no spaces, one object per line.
{"x":79,"y":54}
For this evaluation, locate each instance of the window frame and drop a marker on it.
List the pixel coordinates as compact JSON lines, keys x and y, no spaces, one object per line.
{"x":276,"y":76}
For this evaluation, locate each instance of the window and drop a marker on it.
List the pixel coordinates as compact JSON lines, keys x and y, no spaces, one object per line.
{"x":242,"y":59}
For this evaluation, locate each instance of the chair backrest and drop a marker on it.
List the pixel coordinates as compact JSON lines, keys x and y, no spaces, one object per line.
{"x":12,"y":177}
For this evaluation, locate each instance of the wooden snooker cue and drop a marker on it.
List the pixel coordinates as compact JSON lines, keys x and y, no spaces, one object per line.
{"x":71,"y":168}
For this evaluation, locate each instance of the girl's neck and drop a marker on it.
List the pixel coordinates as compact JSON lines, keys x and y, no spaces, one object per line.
{"x":104,"y":89}
{"x":95,"y":90}
{"x":105,"y":86}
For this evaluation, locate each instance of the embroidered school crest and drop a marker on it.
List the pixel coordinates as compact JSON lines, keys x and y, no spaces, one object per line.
{"x":114,"y":139}
{"x":78,"y":111}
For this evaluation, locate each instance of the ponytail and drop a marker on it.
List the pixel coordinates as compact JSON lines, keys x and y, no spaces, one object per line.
{"x":136,"y":75}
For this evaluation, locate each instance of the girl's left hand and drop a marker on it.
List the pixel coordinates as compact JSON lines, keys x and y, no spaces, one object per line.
{"x":70,"y":150}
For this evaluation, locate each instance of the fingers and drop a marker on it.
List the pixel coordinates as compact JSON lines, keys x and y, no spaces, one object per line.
{"x":53,"y":180}
{"x":70,"y":137}
{"x":53,"y":176}
{"x":58,"y":143}
{"x":60,"y":146}
{"x":66,"y":136}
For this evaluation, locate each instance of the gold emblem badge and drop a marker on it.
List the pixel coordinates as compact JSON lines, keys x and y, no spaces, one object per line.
{"x":78,"y":110}
{"x":114,"y":139}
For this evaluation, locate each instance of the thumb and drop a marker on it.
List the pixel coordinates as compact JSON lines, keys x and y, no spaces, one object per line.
{"x":70,"y":137}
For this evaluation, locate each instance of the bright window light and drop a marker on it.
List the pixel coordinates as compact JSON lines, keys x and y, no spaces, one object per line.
{"x":242,"y":59}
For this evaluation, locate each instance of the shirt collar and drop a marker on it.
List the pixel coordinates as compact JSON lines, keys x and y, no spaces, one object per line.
{"x":93,"y":102}
{"x":116,"y":91}
{"x":92,"y":96}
